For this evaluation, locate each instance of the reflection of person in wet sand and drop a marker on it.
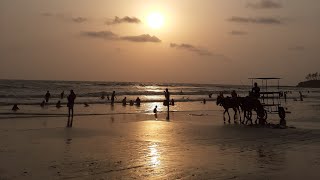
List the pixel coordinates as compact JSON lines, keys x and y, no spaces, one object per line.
{"x":71,"y":98}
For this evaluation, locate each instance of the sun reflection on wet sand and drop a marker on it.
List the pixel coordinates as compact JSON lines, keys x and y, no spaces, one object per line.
{"x":154,"y":155}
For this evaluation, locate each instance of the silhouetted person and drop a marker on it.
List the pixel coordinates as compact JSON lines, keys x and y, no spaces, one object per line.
{"x":86,"y":104}
{"x":172,"y":102}
{"x":234,"y":94}
{"x":285,"y":96}
{"x":204,"y":101}
{"x":255,"y":90}
{"x":210,"y":95}
{"x":58,"y":105}
{"x":167,"y":100}
{"x":62,"y":95}
{"x":155,"y":110}
{"x":138,"y":101}
{"x":102,"y":96}
{"x":112,"y":97}
{"x":72,"y":96}
{"x":301,"y":96}
{"x":47,"y":96}
{"x":124,"y":101}
{"x":108,"y":97}
{"x":43,"y":103}
{"x":131,"y":103}
{"x":15,"y":107}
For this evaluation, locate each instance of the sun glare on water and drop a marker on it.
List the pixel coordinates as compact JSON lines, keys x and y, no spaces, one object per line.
{"x":155,"y":20}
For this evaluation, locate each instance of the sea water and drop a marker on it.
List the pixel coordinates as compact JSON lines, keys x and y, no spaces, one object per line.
{"x":28,"y":94}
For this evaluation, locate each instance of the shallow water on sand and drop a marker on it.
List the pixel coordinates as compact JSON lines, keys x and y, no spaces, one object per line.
{"x":130,"y":147}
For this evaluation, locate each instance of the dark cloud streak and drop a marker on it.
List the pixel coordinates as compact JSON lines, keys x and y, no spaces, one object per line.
{"x":238,"y":33}
{"x":265,"y":4}
{"x":258,"y":20}
{"x":191,"y":48}
{"x":108,"y":35}
{"x":126,"y":19}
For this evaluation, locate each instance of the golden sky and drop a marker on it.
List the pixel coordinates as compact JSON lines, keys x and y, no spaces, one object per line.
{"x":201,"y":41}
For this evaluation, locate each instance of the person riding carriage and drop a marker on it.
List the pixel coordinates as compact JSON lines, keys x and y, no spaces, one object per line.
{"x":255,"y":91}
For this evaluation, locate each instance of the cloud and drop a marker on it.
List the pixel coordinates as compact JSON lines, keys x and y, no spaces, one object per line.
{"x":126,"y":19}
{"x":265,"y":4}
{"x":238,"y":33}
{"x":79,"y":19}
{"x":141,"y":38}
{"x":108,"y":35}
{"x":297,"y":48}
{"x":191,"y":48}
{"x":65,"y":17}
{"x":258,"y":20}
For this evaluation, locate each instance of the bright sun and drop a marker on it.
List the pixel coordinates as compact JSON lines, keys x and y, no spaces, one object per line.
{"x":155,"y":20}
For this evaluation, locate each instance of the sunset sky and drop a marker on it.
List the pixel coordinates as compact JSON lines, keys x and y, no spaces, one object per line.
{"x":198,"y":41}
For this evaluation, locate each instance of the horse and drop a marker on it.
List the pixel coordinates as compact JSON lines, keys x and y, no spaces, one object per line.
{"x":249,"y":104}
{"x":228,"y":103}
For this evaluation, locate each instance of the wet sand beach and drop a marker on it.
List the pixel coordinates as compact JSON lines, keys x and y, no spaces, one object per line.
{"x":138,"y":146}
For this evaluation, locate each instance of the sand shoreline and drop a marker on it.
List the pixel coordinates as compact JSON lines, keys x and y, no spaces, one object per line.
{"x":187,"y":147}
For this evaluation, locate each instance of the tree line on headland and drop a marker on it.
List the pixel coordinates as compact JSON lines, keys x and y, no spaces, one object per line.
{"x":313,"y":81}
{"x":313,"y":76}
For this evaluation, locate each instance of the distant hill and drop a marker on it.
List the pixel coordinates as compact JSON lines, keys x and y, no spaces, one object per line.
{"x":310,"y":84}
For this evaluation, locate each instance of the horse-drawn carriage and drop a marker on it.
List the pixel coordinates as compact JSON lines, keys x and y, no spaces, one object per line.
{"x":263,"y":101}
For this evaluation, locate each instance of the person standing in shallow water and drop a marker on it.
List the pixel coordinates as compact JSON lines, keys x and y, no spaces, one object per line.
{"x":112,"y":97}
{"x":62,"y":95}
{"x":47,"y":96}
{"x":71,"y":98}
{"x":167,"y":101}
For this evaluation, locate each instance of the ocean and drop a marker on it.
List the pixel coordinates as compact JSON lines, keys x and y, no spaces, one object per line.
{"x":28,"y":94}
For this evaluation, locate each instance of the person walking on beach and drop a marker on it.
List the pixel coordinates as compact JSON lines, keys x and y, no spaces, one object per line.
{"x":47,"y":96}
{"x":124,"y":101}
{"x":112,"y":97}
{"x":71,"y":98}
{"x":301,"y":96}
{"x":155,"y":111}
{"x":58,"y":105}
{"x":62,"y":95}
{"x":167,"y":101}
{"x":138,"y":101}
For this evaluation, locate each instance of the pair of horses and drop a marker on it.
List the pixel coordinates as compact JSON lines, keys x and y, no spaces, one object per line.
{"x":246,"y":104}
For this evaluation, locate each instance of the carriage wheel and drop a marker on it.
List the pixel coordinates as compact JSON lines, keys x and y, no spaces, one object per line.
{"x":249,"y":115}
{"x":282,"y":113}
{"x":263,"y":116}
